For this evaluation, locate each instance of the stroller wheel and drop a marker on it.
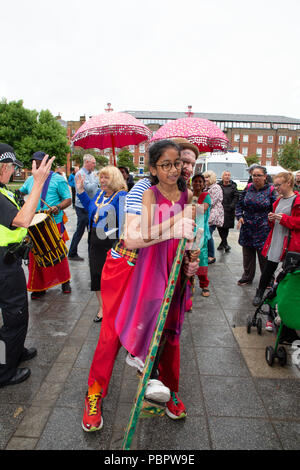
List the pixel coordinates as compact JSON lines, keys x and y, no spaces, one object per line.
{"x":259,"y":326}
{"x":270,"y":355}
{"x":282,"y":355}
{"x":249,"y":324}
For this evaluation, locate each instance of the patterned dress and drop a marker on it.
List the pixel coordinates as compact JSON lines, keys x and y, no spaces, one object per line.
{"x":138,"y":312}
{"x":254,"y":206}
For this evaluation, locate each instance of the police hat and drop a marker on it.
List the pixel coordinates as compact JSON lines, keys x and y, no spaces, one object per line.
{"x":7,"y":155}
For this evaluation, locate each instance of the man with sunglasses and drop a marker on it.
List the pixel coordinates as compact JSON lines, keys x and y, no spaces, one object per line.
{"x":14,"y":221}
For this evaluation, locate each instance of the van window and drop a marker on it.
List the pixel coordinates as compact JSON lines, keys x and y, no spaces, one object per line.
{"x":237,"y":170}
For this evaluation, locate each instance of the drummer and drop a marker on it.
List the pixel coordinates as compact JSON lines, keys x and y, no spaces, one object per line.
{"x":13,"y":294}
{"x":55,"y":198}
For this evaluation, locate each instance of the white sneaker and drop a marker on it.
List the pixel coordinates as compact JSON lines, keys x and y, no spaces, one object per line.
{"x":269,"y":326}
{"x":157,"y":391}
{"x":135,"y":361}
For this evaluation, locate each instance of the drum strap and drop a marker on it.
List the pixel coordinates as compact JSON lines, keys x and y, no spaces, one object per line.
{"x":45,"y":189}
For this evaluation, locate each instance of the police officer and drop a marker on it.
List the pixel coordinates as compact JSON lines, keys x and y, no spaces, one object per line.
{"x":14,"y":221}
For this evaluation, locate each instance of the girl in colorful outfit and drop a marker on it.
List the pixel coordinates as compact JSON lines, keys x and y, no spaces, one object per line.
{"x":198,"y":184}
{"x":252,"y":213}
{"x":106,"y":210}
{"x":145,"y":293}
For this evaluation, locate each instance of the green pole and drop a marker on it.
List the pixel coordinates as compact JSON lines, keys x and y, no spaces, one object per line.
{"x":160,"y":323}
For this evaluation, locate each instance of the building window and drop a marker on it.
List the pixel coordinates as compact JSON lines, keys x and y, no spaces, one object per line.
{"x":268,"y":163}
{"x":269,"y":153}
{"x":142,"y":148}
{"x":245,"y":151}
{"x":131,"y":148}
{"x":282,"y":139}
{"x":259,"y":151}
{"x":290,"y":139}
{"x":236,"y":137}
{"x":245,"y":138}
{"x":236,"y":149}
{"x":141,"y":160}
{"x":270,"y":139}
{"x":260,"y":139}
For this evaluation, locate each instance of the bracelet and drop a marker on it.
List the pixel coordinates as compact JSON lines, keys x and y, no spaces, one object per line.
{"x":59,"y":209}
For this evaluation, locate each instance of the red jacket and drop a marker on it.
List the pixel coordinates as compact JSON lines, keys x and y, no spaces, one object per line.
{"x":290,"y":221}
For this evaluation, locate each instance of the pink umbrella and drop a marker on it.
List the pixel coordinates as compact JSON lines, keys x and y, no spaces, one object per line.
{"x":111,"y":130}
{"x":201,"y":132}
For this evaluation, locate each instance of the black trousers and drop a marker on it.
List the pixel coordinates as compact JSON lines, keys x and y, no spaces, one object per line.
{"x":14,"y":305}
{"x":223,"y":232}
{"x":249,"y":262}
{"x":267,"y":274}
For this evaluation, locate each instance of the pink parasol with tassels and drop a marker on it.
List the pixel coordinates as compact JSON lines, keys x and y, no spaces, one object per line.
{"x":206,"y":135}
{"x":111,"y":130}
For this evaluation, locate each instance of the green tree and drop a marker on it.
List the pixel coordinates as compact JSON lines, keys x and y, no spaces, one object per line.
{"x":252,"y":159}
{"x":289,"y":156}
{"x":28,"y":131}
{"x":125,"y":158}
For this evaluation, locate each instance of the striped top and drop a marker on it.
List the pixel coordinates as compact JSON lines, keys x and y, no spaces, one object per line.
{"x":133,"y":205}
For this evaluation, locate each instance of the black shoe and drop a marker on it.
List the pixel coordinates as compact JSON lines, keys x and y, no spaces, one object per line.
{"x":221,"y":246}
{"x":75,"y":258}
{"x":37,"y":295}
{"x":20,"y":376}
{"x":28,"y":354}
{"x":97,"y":319}
{"x":227,"y":248}
{"x":243,"y":282}
{"x":258,"y":297}
{"x":212,"y":260}
{"x":66,"y":288}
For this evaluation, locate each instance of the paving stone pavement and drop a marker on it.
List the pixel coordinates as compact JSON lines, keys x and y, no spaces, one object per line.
{"x":234,"y":399}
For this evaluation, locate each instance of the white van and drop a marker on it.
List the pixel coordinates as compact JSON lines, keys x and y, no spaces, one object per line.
{"x":218,"y":162}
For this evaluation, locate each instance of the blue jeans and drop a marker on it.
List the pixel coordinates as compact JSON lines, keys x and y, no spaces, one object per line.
{"x":82,"y":224}
{"x":210,"y":243}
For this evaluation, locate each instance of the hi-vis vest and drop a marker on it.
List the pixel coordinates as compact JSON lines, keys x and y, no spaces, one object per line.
{"x":7,"y":235}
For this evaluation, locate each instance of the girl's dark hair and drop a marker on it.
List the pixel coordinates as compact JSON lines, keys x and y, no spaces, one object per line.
{"x":262,"y":168}
{"x":155,"y":151}
{"x":199,"y":175}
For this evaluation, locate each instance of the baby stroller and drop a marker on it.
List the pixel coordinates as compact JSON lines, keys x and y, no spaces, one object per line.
{"x":283,"y":299}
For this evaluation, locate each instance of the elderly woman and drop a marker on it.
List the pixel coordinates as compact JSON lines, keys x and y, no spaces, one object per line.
{"x":284,"y":236}
{"x":216,"y":217}
{"x":252,"y":211}
{"x":105,"y":221}
{"x":230,"y":199}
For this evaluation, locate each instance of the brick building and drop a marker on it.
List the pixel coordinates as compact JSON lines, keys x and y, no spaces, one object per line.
{"x":260,"y":135}
{"x":248,"y":134}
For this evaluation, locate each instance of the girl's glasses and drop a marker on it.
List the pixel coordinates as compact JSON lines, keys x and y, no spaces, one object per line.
{"x":168,"y":165}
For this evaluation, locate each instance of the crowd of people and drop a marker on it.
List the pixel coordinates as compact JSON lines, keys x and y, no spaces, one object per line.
{"x":133,"y":233}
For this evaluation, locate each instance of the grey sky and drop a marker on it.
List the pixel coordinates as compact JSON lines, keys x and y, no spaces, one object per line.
{"x":73,"y":57}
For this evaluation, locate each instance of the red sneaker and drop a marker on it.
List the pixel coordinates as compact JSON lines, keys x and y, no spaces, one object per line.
{"x":175,"y":408}
{"x":92,"y":419}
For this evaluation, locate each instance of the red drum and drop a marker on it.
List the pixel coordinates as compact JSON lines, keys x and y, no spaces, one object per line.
{"x":48,"y":246}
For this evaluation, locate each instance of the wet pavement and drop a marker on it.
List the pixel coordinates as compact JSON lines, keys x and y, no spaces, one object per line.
{"x":234,"y":399}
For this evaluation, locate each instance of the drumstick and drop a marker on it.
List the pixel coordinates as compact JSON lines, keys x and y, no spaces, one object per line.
{"x":46,"y":203}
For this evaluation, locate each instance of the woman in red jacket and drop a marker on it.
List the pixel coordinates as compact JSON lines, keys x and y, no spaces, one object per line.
{"x":285,"y":231}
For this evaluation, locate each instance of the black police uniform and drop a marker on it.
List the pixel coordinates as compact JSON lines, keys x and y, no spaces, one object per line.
{"x":13,"y":301}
